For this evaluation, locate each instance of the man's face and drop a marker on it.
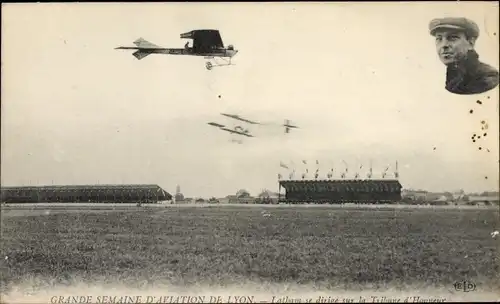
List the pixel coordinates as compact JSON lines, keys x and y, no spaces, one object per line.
{"x":452,"y":46}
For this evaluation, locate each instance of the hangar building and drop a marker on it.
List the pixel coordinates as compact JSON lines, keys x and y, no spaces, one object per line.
{"x":86,"y":193}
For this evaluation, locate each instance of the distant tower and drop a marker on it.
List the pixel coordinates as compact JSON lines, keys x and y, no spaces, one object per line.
{"x":178,"y":194}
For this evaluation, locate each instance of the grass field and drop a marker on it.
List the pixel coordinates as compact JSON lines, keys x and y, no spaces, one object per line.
{"x":326,"y":250}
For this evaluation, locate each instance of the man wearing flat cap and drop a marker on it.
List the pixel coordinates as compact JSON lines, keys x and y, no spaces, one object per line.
{"x":455,"y":40}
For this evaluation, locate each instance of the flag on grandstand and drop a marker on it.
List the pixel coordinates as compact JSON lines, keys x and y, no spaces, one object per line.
{"x":356,"y":175}
{"x":304,"y":162}
{"x":282,"y":165}
{"x":385,"y":172}
{"x":346,"y":166}
{"x":317,"y":162}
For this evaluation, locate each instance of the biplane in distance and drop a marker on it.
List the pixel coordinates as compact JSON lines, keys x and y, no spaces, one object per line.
{"x":237,"y":129}
{"x":206,"y":42}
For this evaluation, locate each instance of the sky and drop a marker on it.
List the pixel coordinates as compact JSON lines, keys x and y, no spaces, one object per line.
{"x":362,"y":81}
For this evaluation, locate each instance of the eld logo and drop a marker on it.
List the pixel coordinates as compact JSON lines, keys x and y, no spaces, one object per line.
{"x":465,"y":286}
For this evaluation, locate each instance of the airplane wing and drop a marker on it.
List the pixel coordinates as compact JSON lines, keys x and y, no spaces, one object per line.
{"x":240,"y":119}
{"x":216,"y":124}
{"x":287,"y":124}
{"x":237,"y":132}
{"x":203,"y":39}
{"x":248,"y":121}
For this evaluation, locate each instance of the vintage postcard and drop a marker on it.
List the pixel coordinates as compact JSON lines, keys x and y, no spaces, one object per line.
{"x":250,"y":152}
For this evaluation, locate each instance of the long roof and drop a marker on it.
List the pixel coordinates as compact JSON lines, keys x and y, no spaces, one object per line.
{"x":84,"y":187}
{"x":340,"y":181}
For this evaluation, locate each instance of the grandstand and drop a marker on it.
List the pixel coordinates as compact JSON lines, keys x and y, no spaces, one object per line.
{"x":341,"y":191}
{"x":86,"y":193}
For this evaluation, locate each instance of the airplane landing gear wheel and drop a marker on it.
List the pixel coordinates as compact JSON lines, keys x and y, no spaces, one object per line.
{"x":208,"y":65}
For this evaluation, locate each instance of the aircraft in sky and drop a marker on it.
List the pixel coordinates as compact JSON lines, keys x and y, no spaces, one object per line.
{"x":206,"y":42}
{"x":288,"y":126}
{"x":236,"y":130}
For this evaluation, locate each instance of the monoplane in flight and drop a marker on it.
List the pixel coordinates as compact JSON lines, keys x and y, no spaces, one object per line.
{"x":207,"y":43}
{"x":288,"y":126}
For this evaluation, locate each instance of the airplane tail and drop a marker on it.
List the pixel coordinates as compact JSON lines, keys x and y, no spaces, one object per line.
{"x":143,"y":43}
{"x":144,"y":48}
{"x":140,"y":54}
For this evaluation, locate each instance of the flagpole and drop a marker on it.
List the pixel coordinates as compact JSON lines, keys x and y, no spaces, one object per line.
{"x":396,"y":173}
{"x":279,"y":192}
{"x":370,"y":173}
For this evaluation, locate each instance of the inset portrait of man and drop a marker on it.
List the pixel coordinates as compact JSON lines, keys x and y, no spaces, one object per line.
{"x":455,"y":41}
